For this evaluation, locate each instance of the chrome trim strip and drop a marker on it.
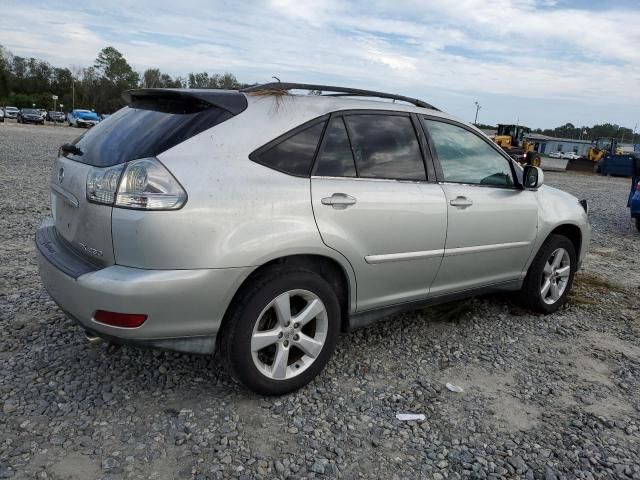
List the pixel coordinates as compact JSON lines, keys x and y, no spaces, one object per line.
{"x":66,"y":196}
{"x":364,"y":179}
{"x":401,"y":257}
{"x":449,"y":252}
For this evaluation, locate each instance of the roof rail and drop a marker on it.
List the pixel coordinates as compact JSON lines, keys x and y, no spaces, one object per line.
{"x":337,"y":91}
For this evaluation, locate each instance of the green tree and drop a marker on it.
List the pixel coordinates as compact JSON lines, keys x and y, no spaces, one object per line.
{"x":4,"y":72}
{"x":112,"y":66}
{"x":226,"y":81}
{"x":27,"y":81}
{"x":103,"y":83}
{"x":154,"y":78}
{"x":203,"y":80}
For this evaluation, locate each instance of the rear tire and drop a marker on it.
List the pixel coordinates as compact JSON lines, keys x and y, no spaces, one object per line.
{"x":638,"y":223}
{"x":550,"y":276}
{"x":267,"y":343}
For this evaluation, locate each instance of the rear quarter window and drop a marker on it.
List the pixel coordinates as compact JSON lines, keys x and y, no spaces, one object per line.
{"x":294,"y":153}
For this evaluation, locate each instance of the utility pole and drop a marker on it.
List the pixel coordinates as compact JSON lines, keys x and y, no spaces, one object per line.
{"x":478,"y":107}
{"x":73,"y":93}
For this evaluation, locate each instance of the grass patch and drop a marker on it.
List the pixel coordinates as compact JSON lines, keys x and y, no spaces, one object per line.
{"x":588,"y":280}
{"x":578,"y":299}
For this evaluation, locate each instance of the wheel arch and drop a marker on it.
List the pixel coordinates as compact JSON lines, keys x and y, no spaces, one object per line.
{"x":572,"y":232}
{"x":330,"y":269}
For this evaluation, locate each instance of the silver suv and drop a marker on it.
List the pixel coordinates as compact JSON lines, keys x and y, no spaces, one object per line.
{"x":261,"y":223}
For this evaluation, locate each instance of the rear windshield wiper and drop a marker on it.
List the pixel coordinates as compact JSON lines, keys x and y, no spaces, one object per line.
{"x":72,"y":149}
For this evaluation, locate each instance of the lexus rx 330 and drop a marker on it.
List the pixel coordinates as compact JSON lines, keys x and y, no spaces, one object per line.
{"x":262,"y":223}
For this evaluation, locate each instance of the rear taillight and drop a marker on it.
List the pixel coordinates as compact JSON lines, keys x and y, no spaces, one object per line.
{"x":638,"y":187}
{"x":123,"y":320}
{"x":143,"y":184}
{"x":102,"y":184}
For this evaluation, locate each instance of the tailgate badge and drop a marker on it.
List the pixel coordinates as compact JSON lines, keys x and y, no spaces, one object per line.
{"x":60,"y":175}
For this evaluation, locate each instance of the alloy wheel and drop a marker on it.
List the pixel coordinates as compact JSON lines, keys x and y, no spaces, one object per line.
{"x":289,"y":334}
{"x":555,"y":276}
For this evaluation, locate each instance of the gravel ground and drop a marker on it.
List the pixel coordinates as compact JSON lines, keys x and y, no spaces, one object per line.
{"x":544,"y":397}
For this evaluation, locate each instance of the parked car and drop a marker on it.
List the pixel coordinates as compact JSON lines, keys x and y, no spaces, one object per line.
{"x":30,"y":115}
{"x":1,"y":115}
{"x":634,"y":195}
{"x":82,"y":118}
{"x":556,"y":154}
{"x":173,"y":227}
{"x":11,"y":112}
{"x":54,"y":116}
{"x":570,"y":156}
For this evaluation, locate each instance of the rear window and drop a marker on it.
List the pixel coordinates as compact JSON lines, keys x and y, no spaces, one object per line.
{"x":146,"y":128}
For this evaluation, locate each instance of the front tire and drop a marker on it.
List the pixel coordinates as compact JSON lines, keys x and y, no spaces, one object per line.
{"x":281,"y":330}
{"x":550,"y":276}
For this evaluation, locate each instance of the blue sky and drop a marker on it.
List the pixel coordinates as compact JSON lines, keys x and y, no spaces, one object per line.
{"x":542,"y":62}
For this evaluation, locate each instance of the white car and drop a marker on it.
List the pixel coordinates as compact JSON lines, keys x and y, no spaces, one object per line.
{"x":11,"y":112}
{"x":556,"y":154}
{"x":1,"y":115}
{"x":570,"y":156}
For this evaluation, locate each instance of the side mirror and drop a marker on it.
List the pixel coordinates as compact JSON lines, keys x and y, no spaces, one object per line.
{"x":533,"y":177}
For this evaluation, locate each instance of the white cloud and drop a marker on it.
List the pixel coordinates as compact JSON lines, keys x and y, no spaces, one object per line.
{"x":510,"y":51}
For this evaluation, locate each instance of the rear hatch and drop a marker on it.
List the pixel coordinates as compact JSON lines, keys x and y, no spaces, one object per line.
{"x":153,"y":121}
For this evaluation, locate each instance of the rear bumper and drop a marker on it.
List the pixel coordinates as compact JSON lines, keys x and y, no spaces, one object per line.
{"x":184,"y":308}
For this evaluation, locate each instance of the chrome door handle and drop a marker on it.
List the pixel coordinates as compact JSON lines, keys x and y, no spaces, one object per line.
{"x":339,"y":201}
{"x":461,"y":202}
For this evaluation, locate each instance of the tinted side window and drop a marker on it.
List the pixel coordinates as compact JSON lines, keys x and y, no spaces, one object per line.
{"x":293,"y":155}
{"x":385,"y":146}
{"x":467,"y":158}
{"x":335,"y":158}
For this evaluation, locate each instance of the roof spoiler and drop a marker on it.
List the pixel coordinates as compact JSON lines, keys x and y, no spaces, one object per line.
{"x":230,"y":100}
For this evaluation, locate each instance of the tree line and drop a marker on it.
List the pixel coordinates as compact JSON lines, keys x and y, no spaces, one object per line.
{"x":30,"y":81}
{"x":25,"y":82}
{"x":570,"y":131}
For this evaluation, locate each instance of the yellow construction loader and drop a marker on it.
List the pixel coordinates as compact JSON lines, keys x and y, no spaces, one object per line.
{"x":599,"y":148}
{"x":511,"y":139}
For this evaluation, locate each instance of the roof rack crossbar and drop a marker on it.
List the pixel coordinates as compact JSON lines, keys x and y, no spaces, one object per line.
{"x":338,"y":91}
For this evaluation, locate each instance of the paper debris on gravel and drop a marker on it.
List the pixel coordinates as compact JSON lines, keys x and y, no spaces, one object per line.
{"x":454,"y":388}
{"x":407,"y":417}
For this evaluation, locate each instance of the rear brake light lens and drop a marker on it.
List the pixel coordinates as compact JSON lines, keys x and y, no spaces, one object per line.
{"x":638,"y":187}
{"x":102,"y":184}
{"x":143,"y":184}
{"x":123,"y":320}
{"x":147,"y":185}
